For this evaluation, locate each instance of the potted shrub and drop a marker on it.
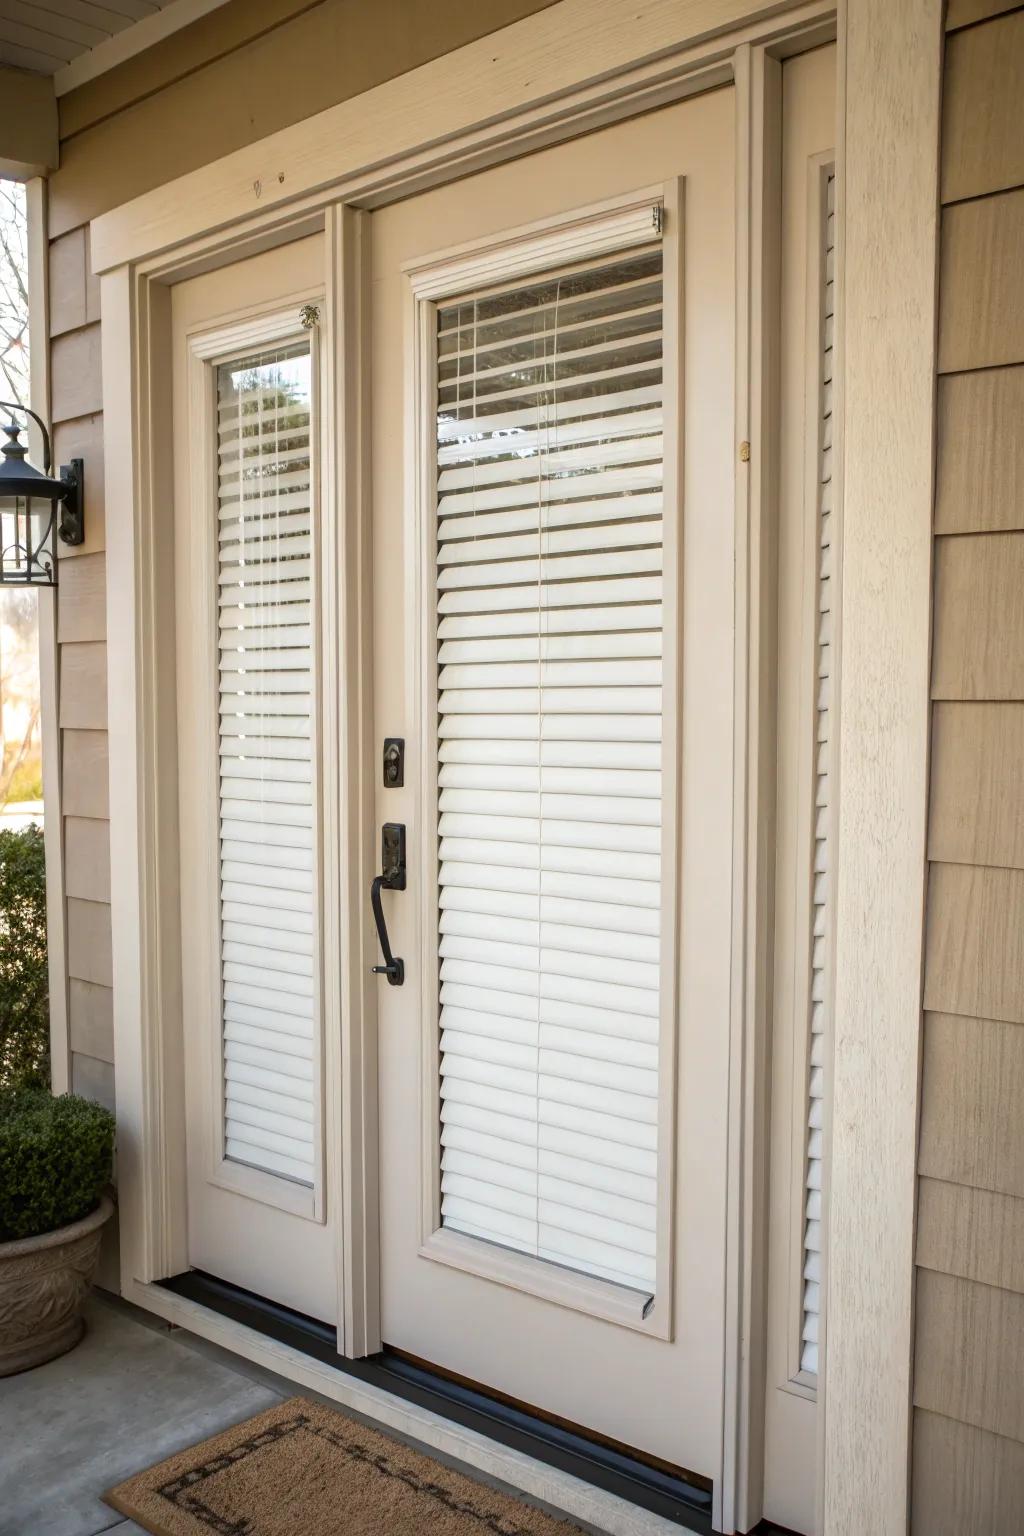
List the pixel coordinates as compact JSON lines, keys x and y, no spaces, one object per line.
{"x":55,"y":1164}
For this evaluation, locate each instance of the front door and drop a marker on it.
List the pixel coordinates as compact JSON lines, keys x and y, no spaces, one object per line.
{"x":553,"y":467}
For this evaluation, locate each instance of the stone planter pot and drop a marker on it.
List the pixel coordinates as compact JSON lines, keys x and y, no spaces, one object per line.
{"x":43,"y":1285}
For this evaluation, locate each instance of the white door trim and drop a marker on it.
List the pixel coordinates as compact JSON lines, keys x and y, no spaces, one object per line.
{"x":890,"y":69}
{"x":633,"y":219}
{"x":588,"y":62}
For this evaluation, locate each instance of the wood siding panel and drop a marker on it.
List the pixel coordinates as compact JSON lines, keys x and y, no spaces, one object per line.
{"x":89,"y":941}
{"x":86,"y":782}
{"x":966,"y":1482}
{"x":976,"y":811}
{"x":974,"y":946}
{"x":978,"y":646}
{"x":67,"y":282}
{"x":83,"y":686}
{"x":981,"y":318}
{"x":87,"y":858}
{"x":91,"y":1019}
{"x":964,"y":13}
{"x":82,"y":608}
{"x":76,"y":380}
{"x":972,"y":1094}
{"x":983,"y":127}
{"x":974,"y":1233}
{"x":980,"y":452}
{"x":970,"y":1341}
{"x":74,"y":291}
{"x":83,"y":439}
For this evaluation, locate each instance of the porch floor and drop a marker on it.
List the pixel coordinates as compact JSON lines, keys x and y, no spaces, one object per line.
{"x":130,"y":1394}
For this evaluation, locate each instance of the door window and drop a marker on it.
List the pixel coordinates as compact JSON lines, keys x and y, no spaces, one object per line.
{"x":549,"y":646}
{"x":265,"y":771}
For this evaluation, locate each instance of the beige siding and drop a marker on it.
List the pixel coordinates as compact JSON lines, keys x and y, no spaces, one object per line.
{"x":982,"y":145}
{"x":977,"y":811}
{"x":962,"y":13}
{"x":985,"y":1470}
{"x":980,"y":468}
{"x":969,"y":1391}
{"x":974,"y":1233}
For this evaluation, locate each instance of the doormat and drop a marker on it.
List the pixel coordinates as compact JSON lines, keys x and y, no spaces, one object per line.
{"x":303,"y":1468}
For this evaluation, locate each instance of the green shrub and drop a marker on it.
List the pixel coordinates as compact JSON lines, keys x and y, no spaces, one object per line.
{"x":56,"y":1157}
{"x":24,"y":995}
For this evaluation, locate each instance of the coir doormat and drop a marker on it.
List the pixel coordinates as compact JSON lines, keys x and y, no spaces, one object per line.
{"x":301,"y":1469}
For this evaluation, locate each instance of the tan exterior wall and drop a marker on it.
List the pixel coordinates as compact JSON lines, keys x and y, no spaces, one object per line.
{"x":968,"y":1469}
{"x":246,"y":69}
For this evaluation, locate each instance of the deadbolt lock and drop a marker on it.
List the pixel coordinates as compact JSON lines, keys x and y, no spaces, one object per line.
{"x":394,"y":762}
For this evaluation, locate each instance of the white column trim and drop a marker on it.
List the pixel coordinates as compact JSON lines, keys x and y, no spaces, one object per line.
{"x":887,"y":232}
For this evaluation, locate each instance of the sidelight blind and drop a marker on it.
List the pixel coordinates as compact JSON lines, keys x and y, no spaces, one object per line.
{"x":821,"y":913}
{"x":264,"y":575}
{"x":549,"y":575}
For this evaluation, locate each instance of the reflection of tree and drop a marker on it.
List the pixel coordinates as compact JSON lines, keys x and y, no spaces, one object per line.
{"x":19,"y":665}
{"x":20,"y":763}
{"x":270,"y":406}
{"x":13,"y":291}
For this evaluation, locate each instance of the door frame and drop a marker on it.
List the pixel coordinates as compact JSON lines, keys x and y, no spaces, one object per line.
{"x":367,"y":151}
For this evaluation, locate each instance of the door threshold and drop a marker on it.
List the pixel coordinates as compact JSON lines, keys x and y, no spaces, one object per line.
{"x":685,"y":1504}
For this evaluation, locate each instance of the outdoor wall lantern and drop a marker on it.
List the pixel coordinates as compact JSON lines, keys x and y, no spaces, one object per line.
{"x":32,"y":506}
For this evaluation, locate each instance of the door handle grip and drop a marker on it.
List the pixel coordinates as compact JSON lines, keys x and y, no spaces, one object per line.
{"x":391,"y":878}
{"x":393,"y":968}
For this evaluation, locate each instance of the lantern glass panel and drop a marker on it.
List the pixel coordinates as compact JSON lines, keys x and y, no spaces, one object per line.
{"x":27,"y":553}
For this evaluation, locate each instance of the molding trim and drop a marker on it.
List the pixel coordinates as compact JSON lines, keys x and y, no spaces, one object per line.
{"x":758,"y":228}
{"x":886,"y":260}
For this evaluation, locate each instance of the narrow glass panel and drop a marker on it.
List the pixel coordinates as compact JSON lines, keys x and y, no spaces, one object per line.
{"x":549,"y":573}
{"x":265,"y":675}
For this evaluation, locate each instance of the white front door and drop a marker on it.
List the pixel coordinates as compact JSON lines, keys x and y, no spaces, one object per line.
{"x":246,"y":437}
{"x":554,"y":453}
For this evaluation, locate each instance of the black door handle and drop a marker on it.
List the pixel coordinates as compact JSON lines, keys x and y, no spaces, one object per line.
{"x":391,"y":878}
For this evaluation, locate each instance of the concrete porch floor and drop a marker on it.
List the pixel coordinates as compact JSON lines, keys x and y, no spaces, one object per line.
{"x":134,"y":1391}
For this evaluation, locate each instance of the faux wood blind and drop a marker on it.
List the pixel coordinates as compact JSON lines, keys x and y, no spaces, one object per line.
{"x":549,"y":573}
{"x":822,"y":849}
{"x":265,"y":675}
